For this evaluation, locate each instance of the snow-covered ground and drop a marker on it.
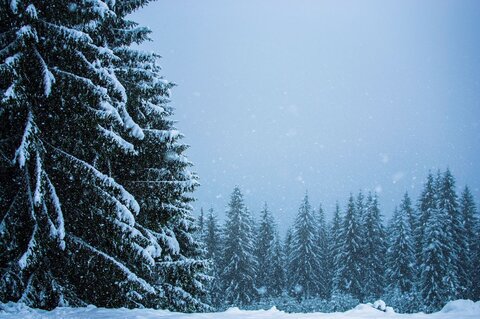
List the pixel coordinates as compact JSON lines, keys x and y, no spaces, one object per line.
{"x":459,"y":309}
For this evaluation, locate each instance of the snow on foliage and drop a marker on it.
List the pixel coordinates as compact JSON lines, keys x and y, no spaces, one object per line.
{"x":71,"y":89}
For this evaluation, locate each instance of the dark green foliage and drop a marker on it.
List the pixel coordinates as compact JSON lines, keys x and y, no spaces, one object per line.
{"x":238,"y":266}
{"x":348,"y":275}
{"x":277,"y":273}
{"x":374,"y":250}
{"x":335,"y":246}
{"x":95,"y":187}
{"x":324,"y":256}
{"x":265,"y":237}
{"x":401,"y":253}
{"x":304,"y":258}
{"x":448,"y":205}
{"x":471,"y":258}
{"x":269,"y":257}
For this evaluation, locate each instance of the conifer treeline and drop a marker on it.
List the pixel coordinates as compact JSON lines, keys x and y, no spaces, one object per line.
{"x":427,"y":255}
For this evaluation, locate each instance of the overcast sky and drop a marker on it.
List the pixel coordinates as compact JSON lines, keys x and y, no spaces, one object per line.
{"x":331,"y":96}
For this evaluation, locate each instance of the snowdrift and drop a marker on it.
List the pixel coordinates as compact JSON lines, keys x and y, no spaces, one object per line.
{"x":464,"y":309}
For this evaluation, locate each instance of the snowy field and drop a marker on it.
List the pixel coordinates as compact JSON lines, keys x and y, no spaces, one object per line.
{"x":459,"y":309}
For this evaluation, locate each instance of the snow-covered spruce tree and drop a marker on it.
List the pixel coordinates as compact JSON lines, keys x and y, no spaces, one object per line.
{"x":211,"y":237}
{"x":335,"y":246}
{"x":212,"y":241}
{"x":406,"y":208}
{"x":361,"y":212}
{"x":427,"y":204}
{"x":324,"y":255}
{"x":350,"y":255}
{"x":264,"y":244}
{"x":239,"y":264}
{"x":438,"y":281}
{"x":287,"y":255}
{"x":458,"y":259}
{"x":471,"y":259}
{"x":277,"y":273}
{"x":69,"y":234}
{"x":161,"y":181}
{"x":400,"y":260}
{"x":304,"y":259}
{"x":84,"y":133}
{"x":374,"y":249}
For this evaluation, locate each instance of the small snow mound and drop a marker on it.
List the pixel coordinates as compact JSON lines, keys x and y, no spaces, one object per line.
{"x":233,"y":310}
{"x":380,"y":305}
{"x":272,"y":310}
{"x":362,"y":308}
{"x":462,"y":305}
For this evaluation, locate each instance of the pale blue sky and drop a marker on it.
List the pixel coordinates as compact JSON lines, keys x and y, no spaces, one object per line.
{"x":331,"y":96}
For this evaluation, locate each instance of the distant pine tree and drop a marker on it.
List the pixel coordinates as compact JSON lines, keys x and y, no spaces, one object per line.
{"x":426,"y":206}
{"x":407,"y":209}
{"x":350,"y":255}
{"x":471,"y":259}
{"x":361,"y":212}
{"x":264,"y":244}
{"x":374,"y":250}
{"x":238,"y":263}
{"x":213,"y":248}
{"x":336,"y":247}
{"x":304,"y":258}
{"x":324,"y":255}
{"x":287,"y":255}
{"x":401,"y":253}
{"x":458,"y":259}
{"x":277,"y":273}
{"x":212,"y":238}
{"x":438,"y":281}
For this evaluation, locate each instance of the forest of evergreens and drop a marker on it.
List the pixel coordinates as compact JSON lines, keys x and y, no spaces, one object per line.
{"x":426,"y":255}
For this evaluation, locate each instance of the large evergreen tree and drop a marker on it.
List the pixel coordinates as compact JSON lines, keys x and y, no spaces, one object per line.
{"x":161,"y":181}
{"x":304,"y":259}
{"x":239,"y":263}
{"x":62,"y":104}
{"x":80,"y":109}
